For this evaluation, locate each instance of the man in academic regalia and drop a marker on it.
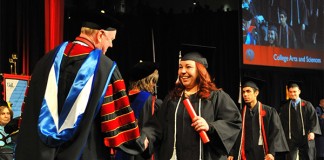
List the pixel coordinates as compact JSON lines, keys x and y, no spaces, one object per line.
{"x":300,"y":123}
{"x":262,"y":134}
{"x":297,"y":18}
{"x":76,"y":107}
{"x":287,"y":37}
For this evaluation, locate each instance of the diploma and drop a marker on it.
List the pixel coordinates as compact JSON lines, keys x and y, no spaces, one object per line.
{"x":192,"y":115}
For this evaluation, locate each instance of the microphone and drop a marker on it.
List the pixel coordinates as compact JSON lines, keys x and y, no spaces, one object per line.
{"x":192,"y":114}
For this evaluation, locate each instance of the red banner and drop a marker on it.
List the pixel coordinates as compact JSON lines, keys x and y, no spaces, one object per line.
{"x":282,"y":57}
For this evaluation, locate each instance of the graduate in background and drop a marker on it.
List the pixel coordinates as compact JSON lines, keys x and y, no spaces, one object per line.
{"x":300,"y":123}
{"x":143,"y":78}
{"x":173,"y":130}
{"x":262,"y":134}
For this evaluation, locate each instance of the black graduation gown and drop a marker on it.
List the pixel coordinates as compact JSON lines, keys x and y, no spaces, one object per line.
{"x":144,"y":114}
{"x":219,"y":111}
{"x":311,"y":124}
{"x":273,"y":129}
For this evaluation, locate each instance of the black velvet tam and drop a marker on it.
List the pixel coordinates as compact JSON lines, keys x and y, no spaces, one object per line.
{"x":142,"y":70}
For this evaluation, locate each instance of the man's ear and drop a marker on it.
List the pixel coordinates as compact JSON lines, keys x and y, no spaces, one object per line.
{"x":256,"y":92}
{"x":99,"y":35}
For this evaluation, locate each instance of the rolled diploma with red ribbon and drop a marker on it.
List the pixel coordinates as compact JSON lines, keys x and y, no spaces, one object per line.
{"x":192,"y":115}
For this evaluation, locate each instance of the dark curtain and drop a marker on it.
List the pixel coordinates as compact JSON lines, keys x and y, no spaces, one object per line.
{"x":213,"y":34}
{"x":22,"y":32}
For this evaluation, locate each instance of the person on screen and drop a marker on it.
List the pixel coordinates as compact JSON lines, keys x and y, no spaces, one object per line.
{"x":262,"y":134}
{"x":173,"y":130}
{"x":76,"y":106}
{"x":298,"y":18}
{"x":259,"y":22}
{"x":7,"y":144}
{"x":315,"y":7}
{"x":300,"y":123}
{"x":273,"y":36}
{"x":287,"y":38}
{"x":250,"y":34}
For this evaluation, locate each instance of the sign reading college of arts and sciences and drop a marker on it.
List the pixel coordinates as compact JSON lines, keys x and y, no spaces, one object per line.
{"x":282,"y":57}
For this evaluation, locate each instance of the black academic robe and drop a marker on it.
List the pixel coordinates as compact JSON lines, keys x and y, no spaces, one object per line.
{"x":275,"y":137}
{"x":87,"y":143}
{"x":146,"y":110}
{"x":287,"y":37}
{"x":219,"y":111}
{"x":295,"y":138}
{"x":141,"y":104}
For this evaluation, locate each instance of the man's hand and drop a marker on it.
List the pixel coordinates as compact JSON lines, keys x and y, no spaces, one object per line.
{"x":269,"y":157}
{"x":230,"y":158}
{"x":311,"y":136}
{"x":303,"y":27}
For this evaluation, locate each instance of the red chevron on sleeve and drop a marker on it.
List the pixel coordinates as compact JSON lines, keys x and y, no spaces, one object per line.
{"x":109,"y":91}
{"x":122,"y":137}
{"x":107,"y":108}
{"x":119,"y":86}
{"x":121,"y":102}
{"x":119,"y":121}
{"x":114,"y":106}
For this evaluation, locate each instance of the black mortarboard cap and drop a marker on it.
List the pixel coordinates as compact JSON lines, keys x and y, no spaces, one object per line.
{"x":195,"y":56}
{"x":246,"y":15}
{"x":282,"y":11}
{"x":96,"y":19}
{"x":142,"y":70}
{"x":273,"y":28}
{"x":253,"y":82}
{"x":294,"y":83}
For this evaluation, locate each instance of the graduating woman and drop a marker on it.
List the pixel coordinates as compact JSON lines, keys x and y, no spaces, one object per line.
{"x":176,"y":134}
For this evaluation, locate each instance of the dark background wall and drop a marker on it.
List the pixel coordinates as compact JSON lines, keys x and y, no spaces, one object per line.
{"x":210,"y":28}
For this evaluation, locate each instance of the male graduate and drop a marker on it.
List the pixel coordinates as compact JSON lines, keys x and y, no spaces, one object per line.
{"x":77,"y":106}
{"x":300,"y":123}
{"x":262,"y":134}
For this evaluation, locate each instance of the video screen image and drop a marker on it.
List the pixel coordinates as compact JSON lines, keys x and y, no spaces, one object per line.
{"x":286,"y":33}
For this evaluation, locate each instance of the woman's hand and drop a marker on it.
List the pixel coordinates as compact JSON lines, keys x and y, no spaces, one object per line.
{"x":200,"y":124}
{"x":146,"y":143}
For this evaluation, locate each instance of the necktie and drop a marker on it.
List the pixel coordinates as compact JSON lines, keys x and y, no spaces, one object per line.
{"x":294,"y":105}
